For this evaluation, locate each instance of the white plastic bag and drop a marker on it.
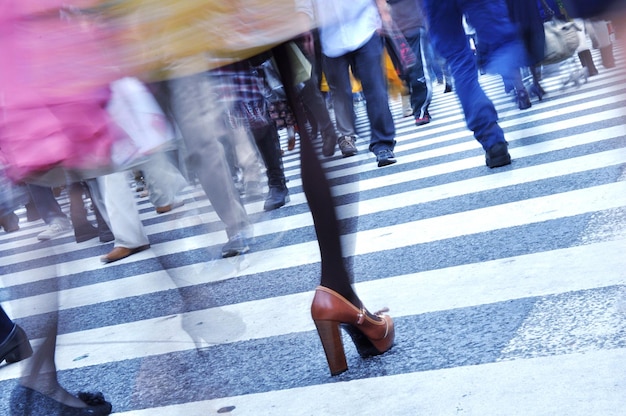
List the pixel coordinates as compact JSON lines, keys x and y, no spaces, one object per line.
{"x":143,"y":125}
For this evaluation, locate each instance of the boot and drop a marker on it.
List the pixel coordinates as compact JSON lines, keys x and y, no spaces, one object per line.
{"x":586,"y":61}
{"x":277,"y":196}
{"x":606,"y":53}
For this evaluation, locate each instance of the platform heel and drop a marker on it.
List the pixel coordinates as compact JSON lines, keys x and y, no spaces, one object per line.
{"x":330,"y":335}
{"x":372,"y":334}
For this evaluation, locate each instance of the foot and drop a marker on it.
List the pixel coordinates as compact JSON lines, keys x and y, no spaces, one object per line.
{"x":523,"y":100}
{"x":347,"y":146}
{"x":15,"y":347}
{"x":423,"y":119}
{"x":537,"y":91}
{"x":167,"y":208}
{"x":105,"y":236}
{"x":31,"y":213}
{"x":385,"y":157}
{"x":373,"y":334}
{"x":54,"y":230}
{"x":291,"y":143}
{"x":498,"y":155}
{"x":29,"y":401}
{"x":407,"y":110}
{"x":236,"y":245}
{"x":329,"y":143}
{"x":276,"y":198}
{"x":119,"y":253}
{"x":85,"y":232}
{"x":10,"y":222}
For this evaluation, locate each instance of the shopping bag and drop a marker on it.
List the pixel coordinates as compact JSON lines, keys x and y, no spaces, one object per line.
{"x":561,"y":40}
{"x":142,"y":126}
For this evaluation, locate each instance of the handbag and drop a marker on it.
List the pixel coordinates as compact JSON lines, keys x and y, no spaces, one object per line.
{"x":562,"y":39}
{"x":143,"y":128}
{"x":399,"y":50}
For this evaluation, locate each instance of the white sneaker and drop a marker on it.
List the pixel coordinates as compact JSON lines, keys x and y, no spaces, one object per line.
{"x":56,"y":229}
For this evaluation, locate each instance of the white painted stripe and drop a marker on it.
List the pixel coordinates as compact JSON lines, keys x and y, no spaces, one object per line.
{"x":538,"y":274}
{"x":471,"y":144}
{"x":508,"y":178}
{"x":442,"y":130}
{"x":586,"y":384}
{"x":508,"y":215}
{"x":253,"y":208}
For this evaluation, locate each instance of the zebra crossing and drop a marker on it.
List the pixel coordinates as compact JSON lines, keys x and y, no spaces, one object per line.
{"x":507,"y":286}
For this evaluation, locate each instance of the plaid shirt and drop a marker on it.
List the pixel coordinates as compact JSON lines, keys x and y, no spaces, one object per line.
{"x":244,"y":89}
{"x":240,"y":82}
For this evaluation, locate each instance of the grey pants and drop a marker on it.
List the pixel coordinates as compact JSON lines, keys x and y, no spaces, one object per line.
{"x":200,"y":117}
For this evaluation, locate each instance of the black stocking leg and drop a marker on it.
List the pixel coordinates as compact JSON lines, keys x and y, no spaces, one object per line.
{"x":317,"y":191}
{"x":6,"y":325}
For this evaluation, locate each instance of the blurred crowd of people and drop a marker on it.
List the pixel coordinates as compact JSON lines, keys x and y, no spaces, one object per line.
{"x":225,"y":121}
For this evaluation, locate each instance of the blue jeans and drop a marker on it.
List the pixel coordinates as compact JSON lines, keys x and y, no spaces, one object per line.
{"x":501,"y":47}
{"x":366,"y":63}
{"x":47,"y":205}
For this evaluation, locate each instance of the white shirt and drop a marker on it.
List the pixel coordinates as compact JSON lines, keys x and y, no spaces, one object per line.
{"x":345,"y":25}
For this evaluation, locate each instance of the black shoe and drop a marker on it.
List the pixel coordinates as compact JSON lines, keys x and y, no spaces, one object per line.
{"x":15,"y":347}
{"x":522,"y":98}
{"x":329,"y":143}
{"x":236,"y":246}
{"x":106,"y":236}
{"x":276,"y":198}
{"x":31,"y":212}
{"x":29,"y":402}
{"x":537,"y":91}
{"x":85,"y":232}
{"x":498,"y":155}
{"x":10,"y":222}
{"x":385,"y":157}
{"x":347,"y":146}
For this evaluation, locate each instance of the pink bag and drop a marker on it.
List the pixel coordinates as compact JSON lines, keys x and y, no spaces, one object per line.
{"x":54,"y":77}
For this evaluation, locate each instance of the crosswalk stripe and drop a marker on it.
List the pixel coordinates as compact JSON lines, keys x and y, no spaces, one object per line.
{"x":579,"y":268}
{"x":450,"y":190}
{"x":534,"y":327}
{"x":580,"y":384}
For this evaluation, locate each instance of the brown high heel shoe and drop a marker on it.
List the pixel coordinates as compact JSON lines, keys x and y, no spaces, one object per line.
{"x":372,"y":334}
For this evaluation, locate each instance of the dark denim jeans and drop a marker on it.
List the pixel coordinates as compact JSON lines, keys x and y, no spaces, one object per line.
{"x":46,"y":204}
{"x":366,"y":62}
{"x":500,"y":45}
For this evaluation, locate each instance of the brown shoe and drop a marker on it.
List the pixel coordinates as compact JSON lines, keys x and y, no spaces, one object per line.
{"x":372,"y":334}
{"x":168,"y":208}
{"x":119,"y":253}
